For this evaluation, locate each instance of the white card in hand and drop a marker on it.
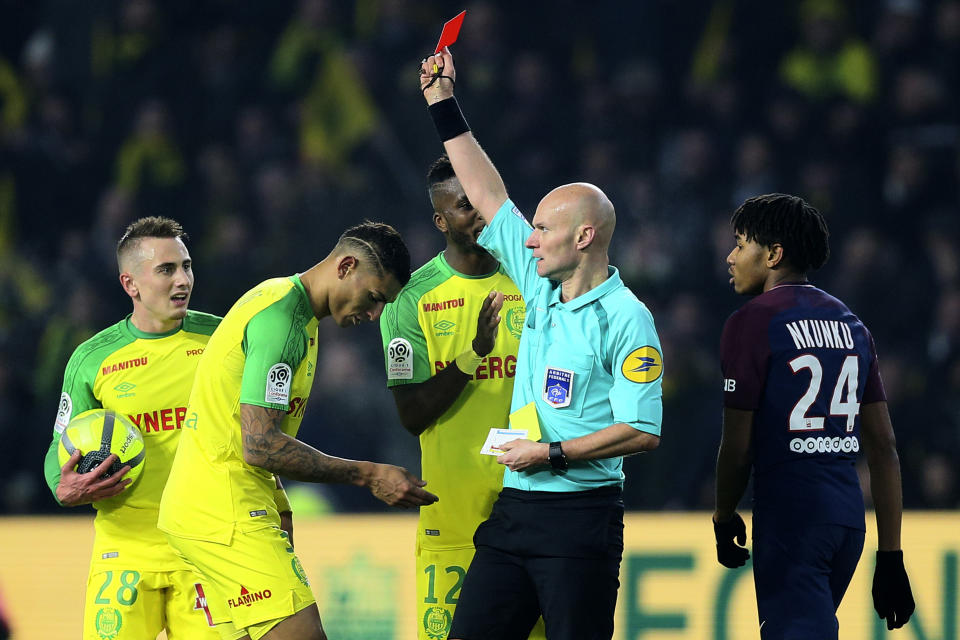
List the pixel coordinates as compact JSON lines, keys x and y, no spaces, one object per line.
{"x":497,"y":437}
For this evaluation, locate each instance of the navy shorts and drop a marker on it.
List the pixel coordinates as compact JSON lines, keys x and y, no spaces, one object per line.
{"x":801,"y":574}
{"x":544,"y":553}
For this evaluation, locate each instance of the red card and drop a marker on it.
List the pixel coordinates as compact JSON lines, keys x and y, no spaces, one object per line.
{"x":451,"y":29}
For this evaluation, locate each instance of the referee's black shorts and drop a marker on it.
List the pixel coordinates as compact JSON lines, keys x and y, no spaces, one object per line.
{"x":544,"y":553}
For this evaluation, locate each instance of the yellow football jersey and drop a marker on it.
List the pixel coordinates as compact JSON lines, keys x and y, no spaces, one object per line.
{"x":263,"y":353}
{"x":146,"y":377}
{"x":433,"y":320}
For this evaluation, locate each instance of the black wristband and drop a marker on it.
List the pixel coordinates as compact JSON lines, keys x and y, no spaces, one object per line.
{"x":557,"y":459}
{"x":448,"y":119}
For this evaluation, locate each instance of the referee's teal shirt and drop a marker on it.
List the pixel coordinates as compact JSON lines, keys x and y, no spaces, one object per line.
{"x":587,"y":363}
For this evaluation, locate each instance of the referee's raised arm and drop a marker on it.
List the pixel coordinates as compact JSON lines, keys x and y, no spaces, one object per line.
{"x":480,"y":179}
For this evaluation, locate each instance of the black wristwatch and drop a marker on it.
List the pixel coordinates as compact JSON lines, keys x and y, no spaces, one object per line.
{"x":557,"y":460}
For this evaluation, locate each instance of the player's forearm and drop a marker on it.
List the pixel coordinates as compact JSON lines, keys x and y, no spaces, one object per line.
{"x":616,"y":440}
{"x":286,"y":456}
{"x":480,"y":179}
{"x":421,"y":405}
{"x":733,"y":474}
{"x":733,"y":460}
{"x":51,"y":468}
{"x":885,"y":482}
{"x":887,"y":499}
{"x":267,"y":447}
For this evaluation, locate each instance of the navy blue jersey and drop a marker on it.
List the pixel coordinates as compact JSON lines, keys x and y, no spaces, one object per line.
{"x":803,"y":363}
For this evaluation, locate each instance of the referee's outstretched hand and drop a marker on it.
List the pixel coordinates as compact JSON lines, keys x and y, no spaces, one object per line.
{"x":892,"y":596}
{"x":437,"y":76}
{"x":731,"y":538}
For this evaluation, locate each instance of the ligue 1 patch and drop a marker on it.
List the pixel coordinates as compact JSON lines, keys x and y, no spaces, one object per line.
{"x":63,"y":412}
{"x":558,"y":387}
{"x":399,"y":360}
{"x":642,"y":365}
{"x":278,"y":384}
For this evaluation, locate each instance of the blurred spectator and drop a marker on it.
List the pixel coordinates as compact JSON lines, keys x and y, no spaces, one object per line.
{"x":13,"y":101}
{"x":897,"y":37}
{"x":70,"y":325}
{"x":150,"y":165}
{"x":947,"y":58}
{"x":944,"y":342}
{"x":754,"y":168}
{"x":24,"y":295}
{"x":939,"y":482}
{"x":829,"y":63}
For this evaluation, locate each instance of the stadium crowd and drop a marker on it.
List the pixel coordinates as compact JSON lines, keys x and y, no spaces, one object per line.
{"x":266,"y":128}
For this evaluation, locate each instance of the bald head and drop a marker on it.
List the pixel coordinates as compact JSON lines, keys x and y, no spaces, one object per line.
{"x":581,"y":203}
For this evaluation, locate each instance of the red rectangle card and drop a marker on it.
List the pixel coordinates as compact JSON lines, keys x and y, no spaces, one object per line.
{"x":451,"y":29}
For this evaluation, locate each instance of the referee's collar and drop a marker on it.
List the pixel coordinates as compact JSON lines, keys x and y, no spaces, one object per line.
{"x":612,"y":282}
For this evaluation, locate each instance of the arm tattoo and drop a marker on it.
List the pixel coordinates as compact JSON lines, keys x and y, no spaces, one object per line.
{"x":267,"y":447}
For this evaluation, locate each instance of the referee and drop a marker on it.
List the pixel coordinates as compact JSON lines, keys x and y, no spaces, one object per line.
{"x":589,"y":361}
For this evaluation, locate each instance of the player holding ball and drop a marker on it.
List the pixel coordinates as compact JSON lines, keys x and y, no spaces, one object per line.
{"x":141,"y":368}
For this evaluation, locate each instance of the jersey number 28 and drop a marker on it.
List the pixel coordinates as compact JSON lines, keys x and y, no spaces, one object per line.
{"x":846,"y":385}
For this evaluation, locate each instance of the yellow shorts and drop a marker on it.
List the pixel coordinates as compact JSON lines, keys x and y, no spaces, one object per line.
{"x":440,"y":575}
{"x":255,"y":582}
{"x":126,"y":604}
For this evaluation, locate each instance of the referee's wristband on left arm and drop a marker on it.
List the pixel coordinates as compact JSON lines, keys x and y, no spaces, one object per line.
{"x":283,"y":502}
{"x":448,"y":119}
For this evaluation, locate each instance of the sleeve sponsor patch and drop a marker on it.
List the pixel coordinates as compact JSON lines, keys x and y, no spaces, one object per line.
{"x":64,"y":412}
{"x":517,"y":213}
{"x":399,"y":360}
{"x":279,"y":378}
{"x":642,"y":365}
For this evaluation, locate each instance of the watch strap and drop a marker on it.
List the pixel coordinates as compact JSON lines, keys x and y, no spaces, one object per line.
{"x":557,"y":459}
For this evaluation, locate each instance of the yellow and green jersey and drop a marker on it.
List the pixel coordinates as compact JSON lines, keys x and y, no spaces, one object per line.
{"x":146,"y":377}
{"x":433,"y":320}
{"x":264,"y":353}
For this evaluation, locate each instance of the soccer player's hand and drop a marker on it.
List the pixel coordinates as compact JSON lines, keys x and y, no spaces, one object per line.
{"x":83,"y":488}
{"x":487,"y":323}
{"x":522,"y":454}
{"x":437,"y":85}
{"x":398,"y":487}
{"x":731,"y":538}
{"x":892,"y":596}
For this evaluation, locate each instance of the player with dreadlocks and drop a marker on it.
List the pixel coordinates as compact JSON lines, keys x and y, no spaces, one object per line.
{"x":802,"y":395}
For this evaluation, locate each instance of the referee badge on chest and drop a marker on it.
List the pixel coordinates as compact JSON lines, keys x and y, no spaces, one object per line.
{"x":558,"y":387}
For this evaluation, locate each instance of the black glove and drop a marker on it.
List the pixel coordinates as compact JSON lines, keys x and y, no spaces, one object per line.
{"x":729,"y":554}
{"x":892,"y":597}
